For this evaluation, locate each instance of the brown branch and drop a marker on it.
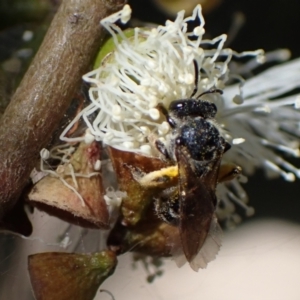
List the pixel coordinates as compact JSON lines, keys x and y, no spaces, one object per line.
{"x":47,"y":89}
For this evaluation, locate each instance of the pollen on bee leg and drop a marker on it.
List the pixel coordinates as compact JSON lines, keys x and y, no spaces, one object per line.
{"x":157,"y":178}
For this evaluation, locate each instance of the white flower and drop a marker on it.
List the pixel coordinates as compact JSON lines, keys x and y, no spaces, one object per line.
{"x":156,"y":66}
{"x":153,"y":66}
{"x":268,"y":121}
{"x":264,"y":131}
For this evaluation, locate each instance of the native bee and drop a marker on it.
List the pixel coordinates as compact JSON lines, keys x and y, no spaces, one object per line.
{"x":196,"y":146}
{"x":183,"y":190}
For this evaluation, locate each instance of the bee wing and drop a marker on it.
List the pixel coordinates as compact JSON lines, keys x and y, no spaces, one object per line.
{"x":207,"y":253}
{"x":197,"y":200}
{"x":210,"y":248}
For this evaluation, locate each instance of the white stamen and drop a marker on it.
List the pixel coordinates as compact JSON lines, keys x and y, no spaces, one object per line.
{"x":125,"y":14}
{"x":264,"y":109}
{"x":163,"y":128}
{"x":97,"y":165}
{"x":27,"y":35}
{"x":88,"y":137}
{"x":145,"y":130}
{"x":238,"y":141}
{"x":285,"y":175}
{"x":146,"y":149}
{"x":297,"y":102}
{"x":128,"y":145}
{"x":154,"y":113}
{"x":45,"y":154}
{"x":237,"y":99}
{"x":199,"y":31}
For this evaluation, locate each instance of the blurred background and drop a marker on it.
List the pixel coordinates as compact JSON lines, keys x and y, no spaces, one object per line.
{"x":260,"y":258}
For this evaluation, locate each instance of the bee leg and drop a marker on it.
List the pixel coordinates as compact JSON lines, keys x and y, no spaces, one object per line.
{"x":228,"y":172}
{"x":162,"y":178}
{"x":160,"y":146}
{"x":165,"y":112}
{"x":166,"y":206}
{"x":227,"y":147}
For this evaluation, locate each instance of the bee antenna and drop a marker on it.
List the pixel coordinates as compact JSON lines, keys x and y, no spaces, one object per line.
{"x":165,"y":112}
{"x":196,"y":78}
{"x":211,"y":91}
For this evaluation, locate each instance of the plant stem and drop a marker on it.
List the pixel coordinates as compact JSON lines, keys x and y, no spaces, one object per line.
{"x":46,"y":90}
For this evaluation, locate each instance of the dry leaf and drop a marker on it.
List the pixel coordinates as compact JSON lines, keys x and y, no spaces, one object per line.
{"x":53,"y":196}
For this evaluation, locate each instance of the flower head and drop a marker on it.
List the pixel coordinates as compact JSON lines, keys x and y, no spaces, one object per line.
{"x":153,"y":66}
{"x":268,"y":121}
{"x":264,"y":130}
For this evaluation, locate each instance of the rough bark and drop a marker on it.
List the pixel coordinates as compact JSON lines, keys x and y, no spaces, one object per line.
{"x":47,"y":89}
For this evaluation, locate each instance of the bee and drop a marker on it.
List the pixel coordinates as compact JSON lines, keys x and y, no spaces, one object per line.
{"x":182,"y":187}
{"x":196,"y":146}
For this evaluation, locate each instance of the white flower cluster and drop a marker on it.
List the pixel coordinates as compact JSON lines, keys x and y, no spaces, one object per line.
{"x":265,"y":128}
{"x":154,"y":66}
